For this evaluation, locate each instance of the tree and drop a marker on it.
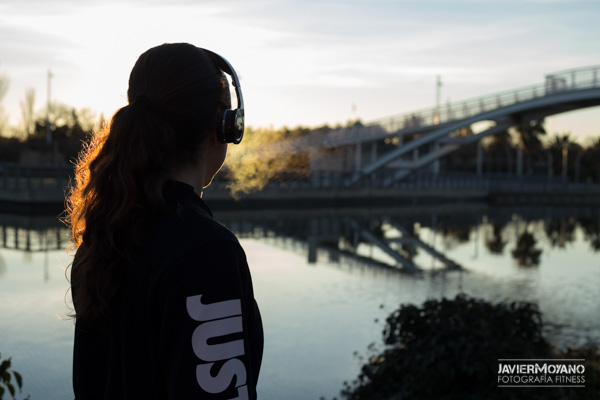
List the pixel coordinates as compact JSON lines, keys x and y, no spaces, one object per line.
{"x":265,"y":157}
{"x":529,"y":136}
{"x":4,"y":83}
{"x":87,"y":119}
{"x":590,"y":162}
{"x":3,"y":86}
{"x":565,"y":157}
{"x":28,"y":113}
{"x":499,"y":152}
{"x":531,"y":145}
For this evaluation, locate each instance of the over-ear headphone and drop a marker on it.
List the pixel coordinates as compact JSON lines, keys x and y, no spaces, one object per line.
{"x":230,"y":126}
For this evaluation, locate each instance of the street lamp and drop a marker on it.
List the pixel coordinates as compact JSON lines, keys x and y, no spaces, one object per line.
{"x":438,"y":93}
{"x":48,"y":128}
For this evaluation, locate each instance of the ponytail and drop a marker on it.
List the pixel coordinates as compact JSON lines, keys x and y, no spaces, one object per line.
{"x":121,"y":174}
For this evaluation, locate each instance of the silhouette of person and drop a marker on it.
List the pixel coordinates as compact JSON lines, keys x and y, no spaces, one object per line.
{"x":162,"y":294}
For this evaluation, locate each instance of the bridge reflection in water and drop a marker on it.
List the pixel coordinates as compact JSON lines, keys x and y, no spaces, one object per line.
{"x":32,"y":234}
{"x":392,"y":237}
{"x":30,"y":239}
{"x":388,"y":238}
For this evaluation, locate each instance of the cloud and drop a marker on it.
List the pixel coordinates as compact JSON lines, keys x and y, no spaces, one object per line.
{"x":43,"y":7}
{"x":23,"y":47}
{"x":295,"y":51}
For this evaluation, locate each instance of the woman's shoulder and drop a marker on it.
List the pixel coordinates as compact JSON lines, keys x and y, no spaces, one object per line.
{"x":188,"y":226}
{"x":192,"y":249}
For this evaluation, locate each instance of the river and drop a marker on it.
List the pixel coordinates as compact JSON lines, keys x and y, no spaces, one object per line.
{"x":324,"y":288}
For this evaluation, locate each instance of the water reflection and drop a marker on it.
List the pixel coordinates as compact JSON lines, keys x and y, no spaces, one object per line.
{"x":2,"y":266}
{"x":31,"y":234}
{"x":525,"y":253}
{"x":591,"y":230}
{"x":496,"y":242}
{"x":394,"y":237}
{"x":320,"y":276}
{"x":382,"y":237}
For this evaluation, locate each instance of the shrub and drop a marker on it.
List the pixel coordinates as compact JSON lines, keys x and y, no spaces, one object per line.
{"x":449,"y":349}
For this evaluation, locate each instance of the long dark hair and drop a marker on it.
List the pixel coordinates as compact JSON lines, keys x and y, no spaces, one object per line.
{"x":175,"y":93}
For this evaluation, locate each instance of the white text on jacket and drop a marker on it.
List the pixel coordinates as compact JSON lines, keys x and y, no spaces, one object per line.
{"x":218,"y":319}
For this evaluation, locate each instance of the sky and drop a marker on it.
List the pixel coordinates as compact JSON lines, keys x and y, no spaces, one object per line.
{"x":305,"y":62}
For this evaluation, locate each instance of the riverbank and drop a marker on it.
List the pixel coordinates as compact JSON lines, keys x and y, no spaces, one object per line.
{"x":40,"y":189}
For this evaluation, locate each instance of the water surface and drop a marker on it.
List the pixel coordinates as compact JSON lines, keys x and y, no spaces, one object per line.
{"x":318,"y":314}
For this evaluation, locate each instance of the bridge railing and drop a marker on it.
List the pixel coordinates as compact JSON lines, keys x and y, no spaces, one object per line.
{"x":40,"y":177}
{"x":327,"y":180}
{"x":559,"y":82}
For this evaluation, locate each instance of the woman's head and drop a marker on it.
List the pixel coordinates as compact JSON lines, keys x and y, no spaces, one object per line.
{"x":180,"y":85}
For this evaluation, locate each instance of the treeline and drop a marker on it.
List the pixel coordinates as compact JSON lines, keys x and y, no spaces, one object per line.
{"x":530,"y":150}
{"x":52,"y":135}
{"x":62,"y":145}
{"x":557,"y":233}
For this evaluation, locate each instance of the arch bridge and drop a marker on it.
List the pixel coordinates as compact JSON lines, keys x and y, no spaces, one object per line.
{"x":423,"y":137}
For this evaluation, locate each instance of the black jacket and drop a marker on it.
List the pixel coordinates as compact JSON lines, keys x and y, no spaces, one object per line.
{"x":186,"y":324}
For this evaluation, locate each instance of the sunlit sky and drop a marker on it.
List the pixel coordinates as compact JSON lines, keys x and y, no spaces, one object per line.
{"x":307,"y":62}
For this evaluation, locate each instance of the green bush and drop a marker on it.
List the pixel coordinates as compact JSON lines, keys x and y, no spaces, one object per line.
{"x":449,"y":349}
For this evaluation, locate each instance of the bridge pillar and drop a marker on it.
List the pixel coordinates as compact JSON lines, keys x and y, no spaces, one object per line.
{"x":357,"y":156}
{"x":436,"y":163}
{"x":519,"y":161}
{"x":577,"y":166}
{"x":479,"y":158}
{"x":313,"y":241}
{"x":565,"y":163}
{"x":434,"y":230}
{"x":374,"y":152}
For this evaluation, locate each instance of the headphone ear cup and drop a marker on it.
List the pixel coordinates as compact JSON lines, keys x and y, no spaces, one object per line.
{"x":233,"y":126}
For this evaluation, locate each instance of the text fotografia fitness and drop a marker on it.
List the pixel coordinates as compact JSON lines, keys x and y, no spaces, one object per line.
{"x":541,"y":373}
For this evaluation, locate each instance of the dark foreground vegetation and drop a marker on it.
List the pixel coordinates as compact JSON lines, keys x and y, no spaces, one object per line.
{"x":10,"y":381}
{"x":449,"y":349}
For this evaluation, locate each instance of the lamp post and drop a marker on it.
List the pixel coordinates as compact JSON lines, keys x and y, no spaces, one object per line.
{"x":438,"y":93}
{"x":48,"y":128}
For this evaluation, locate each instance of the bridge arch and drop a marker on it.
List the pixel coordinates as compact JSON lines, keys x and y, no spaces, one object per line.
{"x":560,"y":92}
{"x":505,"y":118}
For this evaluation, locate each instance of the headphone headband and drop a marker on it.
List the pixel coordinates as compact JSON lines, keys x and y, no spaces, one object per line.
{"x":231,"y":128}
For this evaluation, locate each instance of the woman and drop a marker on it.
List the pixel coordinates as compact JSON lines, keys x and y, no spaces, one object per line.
{"x":162,"y":293}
